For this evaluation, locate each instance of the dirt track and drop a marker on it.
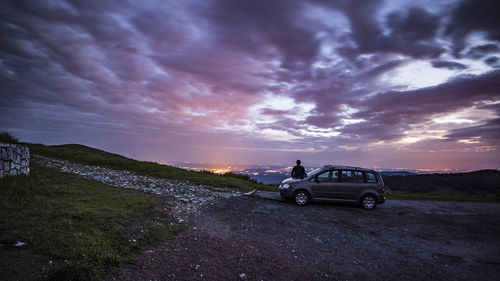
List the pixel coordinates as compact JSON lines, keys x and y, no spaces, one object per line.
{"x":248,"y":238}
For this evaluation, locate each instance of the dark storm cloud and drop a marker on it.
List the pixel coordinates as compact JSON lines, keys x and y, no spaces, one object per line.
{"x":479,"y":52}
{"x":323,"y":120}
{"x":378,"y":70}
{"x":493,"y":61}
{"x":411,"y":32}
{"x":261,"y":26}
{"x":448,"y":64}
{"x":473,"y":15}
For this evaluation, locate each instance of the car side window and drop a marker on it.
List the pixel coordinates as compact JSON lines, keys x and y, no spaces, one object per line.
{"x":325,"y":176}
{"x":352,"y":176}
{"x":370,"y":177}
{"x":358,"y":176}
{"x":329,"y":176}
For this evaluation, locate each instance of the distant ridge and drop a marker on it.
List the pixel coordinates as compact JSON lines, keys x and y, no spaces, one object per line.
{"x":476,"y":182}
{"x":396,"y":173}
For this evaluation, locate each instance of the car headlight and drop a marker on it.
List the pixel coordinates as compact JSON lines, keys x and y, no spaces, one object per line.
{"x":285,"y":186}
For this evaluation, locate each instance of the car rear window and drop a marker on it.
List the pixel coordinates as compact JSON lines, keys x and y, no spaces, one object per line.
{"x":370,"y":177}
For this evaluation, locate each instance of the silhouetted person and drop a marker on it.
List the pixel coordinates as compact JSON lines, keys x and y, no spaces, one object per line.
{"x":298,"y":172}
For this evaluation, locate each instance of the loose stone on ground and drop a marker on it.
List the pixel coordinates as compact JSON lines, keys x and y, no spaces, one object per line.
{"x":188,"y":197}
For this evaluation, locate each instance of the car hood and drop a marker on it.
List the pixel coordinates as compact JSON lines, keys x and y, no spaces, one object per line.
{"x":291,"y":180}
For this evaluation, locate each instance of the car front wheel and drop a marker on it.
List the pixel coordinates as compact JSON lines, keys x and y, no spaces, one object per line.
{"x":368,"y":202}
{"x":301,"y":198}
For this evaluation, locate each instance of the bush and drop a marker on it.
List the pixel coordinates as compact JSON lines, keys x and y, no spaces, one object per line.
{"x":238,"y":176}
{"x":8,"y":137}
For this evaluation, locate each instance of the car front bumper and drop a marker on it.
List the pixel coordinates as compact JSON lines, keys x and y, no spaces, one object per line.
{"x":285,"y":192}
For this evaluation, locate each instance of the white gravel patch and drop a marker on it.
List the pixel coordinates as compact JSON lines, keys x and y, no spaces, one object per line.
{"x":188,"y":198}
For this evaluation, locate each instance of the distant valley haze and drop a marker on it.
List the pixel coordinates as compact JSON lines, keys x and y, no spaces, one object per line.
{"x":388,"y":85}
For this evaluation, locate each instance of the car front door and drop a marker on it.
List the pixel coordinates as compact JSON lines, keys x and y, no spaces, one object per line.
{"x":325,"y":185}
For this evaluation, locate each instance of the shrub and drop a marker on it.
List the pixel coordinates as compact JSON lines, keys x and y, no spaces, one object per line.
{"x":8,"y":137}
{"x":238,"y":176}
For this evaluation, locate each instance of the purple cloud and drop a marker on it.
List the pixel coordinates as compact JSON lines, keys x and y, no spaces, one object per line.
{"x":470,"y":16}
{"x":448,"y":64}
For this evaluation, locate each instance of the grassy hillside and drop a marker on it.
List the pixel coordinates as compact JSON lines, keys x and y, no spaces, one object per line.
{"x":91,"y":156}
{"x":481,"y":185}
{"x":73,"y":229}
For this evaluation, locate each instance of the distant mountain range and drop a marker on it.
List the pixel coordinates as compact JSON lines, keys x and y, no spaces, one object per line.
{"x":396,"y":173}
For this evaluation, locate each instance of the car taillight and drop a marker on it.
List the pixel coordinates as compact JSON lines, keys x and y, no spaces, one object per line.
{"x":383,"y":189}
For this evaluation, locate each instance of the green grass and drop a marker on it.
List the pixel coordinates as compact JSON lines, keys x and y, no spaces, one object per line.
{"x":83,"y":227}
{"x":444,"y":196}
{"x":91,"y":156}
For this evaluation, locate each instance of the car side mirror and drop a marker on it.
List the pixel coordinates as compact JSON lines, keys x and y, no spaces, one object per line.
{"x":316,"y":180}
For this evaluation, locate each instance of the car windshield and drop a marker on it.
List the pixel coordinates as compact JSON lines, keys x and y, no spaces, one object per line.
{"x":315,"y":172}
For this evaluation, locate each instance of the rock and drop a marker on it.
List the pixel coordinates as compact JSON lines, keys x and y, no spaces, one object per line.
{"x":19,"y":244}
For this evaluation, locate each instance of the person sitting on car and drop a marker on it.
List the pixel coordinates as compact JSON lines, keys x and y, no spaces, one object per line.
{"x":298,"y":172}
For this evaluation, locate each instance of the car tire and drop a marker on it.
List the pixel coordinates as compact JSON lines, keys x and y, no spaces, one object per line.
{"x":301,"y":197}
{"x":368,"y":202}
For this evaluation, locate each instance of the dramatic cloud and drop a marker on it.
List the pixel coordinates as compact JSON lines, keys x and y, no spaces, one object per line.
{"x":492,"y":61}
{"x":473,"y":16}
{"x":448,"y":64}
{"x":388,"y":115}
{"x":482,"y":50}
{"x":365,"y":83}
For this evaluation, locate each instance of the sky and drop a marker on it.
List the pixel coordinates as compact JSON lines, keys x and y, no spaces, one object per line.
{"x":379,"y":84}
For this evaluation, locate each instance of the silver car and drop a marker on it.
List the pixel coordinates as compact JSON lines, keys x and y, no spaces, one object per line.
{"x":336,"y":184}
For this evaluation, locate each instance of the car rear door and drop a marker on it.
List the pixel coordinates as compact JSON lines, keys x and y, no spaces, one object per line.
{"x":351,"y":185}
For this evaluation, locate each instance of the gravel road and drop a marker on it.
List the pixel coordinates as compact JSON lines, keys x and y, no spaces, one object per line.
{"x":249,"y":238}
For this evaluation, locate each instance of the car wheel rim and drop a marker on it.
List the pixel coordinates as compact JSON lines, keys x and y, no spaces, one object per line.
{"x":369,"y":202}
{"x":301,"y":198}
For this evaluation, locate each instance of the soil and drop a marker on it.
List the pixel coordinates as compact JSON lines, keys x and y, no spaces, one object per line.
{"x":250,"y":238}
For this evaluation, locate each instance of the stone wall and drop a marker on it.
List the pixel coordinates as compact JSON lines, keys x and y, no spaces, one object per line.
{"x":14,"y":159}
